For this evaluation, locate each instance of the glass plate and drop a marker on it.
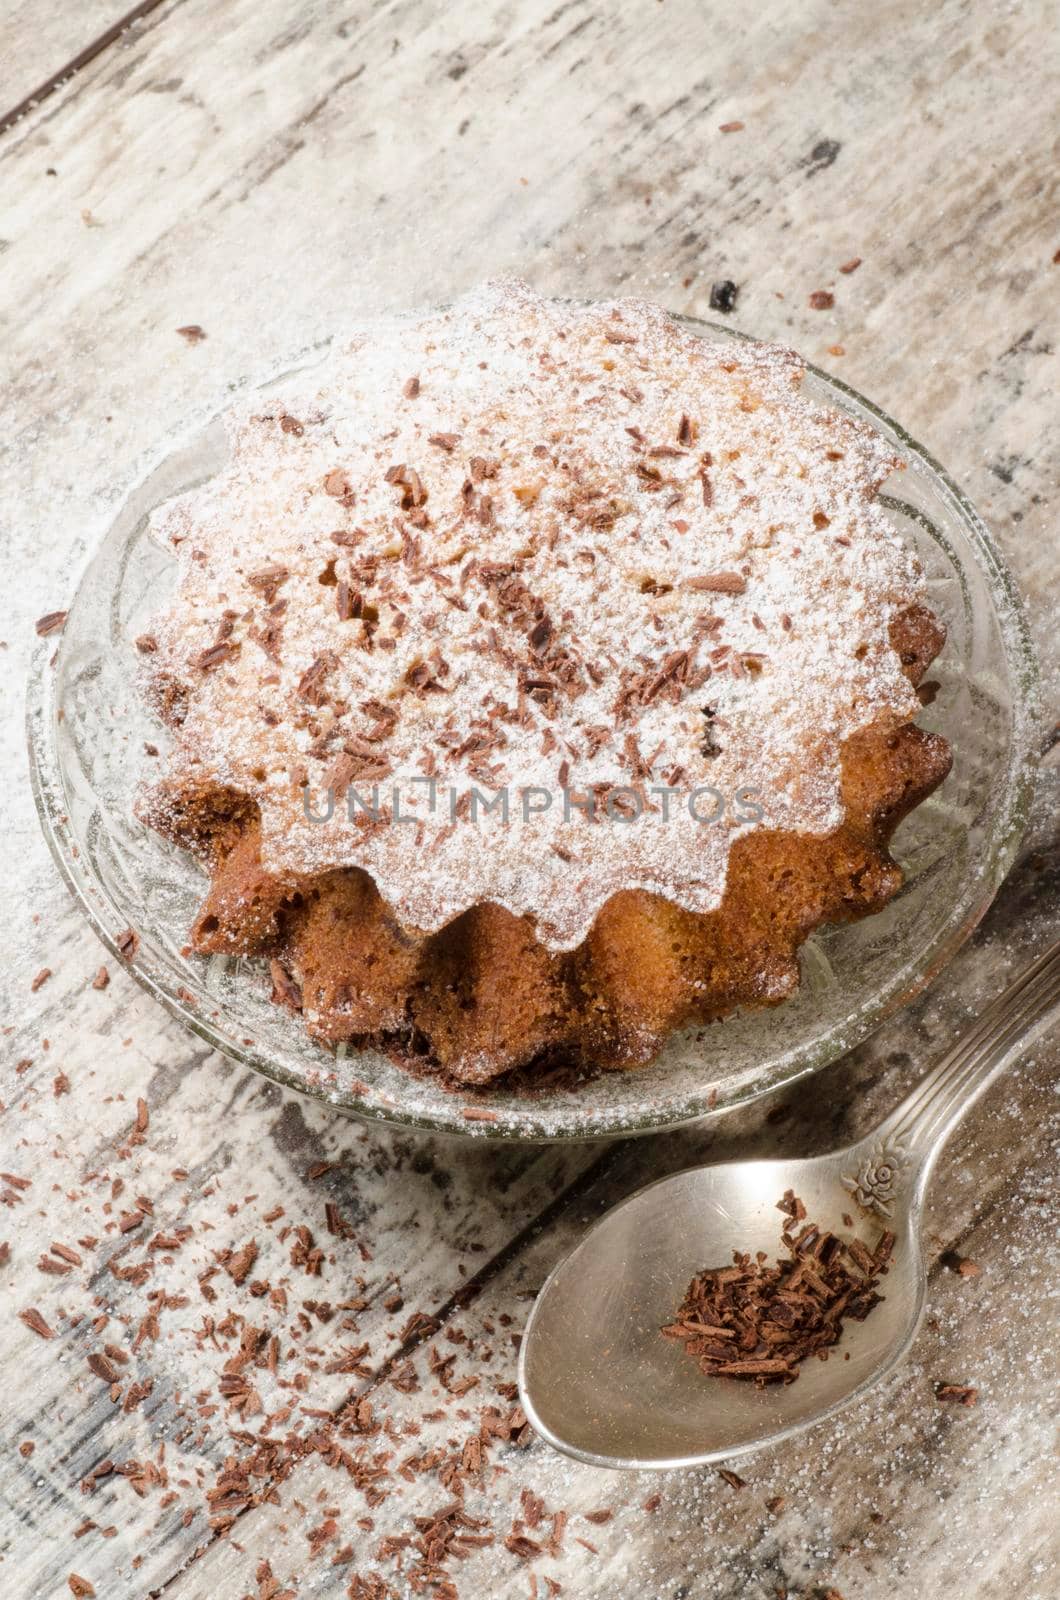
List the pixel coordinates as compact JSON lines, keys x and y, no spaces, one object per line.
{"x":88,"y":726}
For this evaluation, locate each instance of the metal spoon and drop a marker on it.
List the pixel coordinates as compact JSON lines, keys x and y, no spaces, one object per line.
{"x":596,"y":1378}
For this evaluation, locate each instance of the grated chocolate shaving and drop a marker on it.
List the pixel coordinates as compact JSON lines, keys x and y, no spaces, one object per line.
{"x":758,"y":1322}
{"x":717,"y":582}
{"x":33,"y":1320}
{"x":51,"y":622}
{"x":959,"y":1393}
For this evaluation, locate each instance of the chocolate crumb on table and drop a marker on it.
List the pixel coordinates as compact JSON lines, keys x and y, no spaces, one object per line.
{"x":33,"y":1319}
{"x":723,"y":295}
{"x":821,"y":300}
{"x":51,"y":622}
{"x":733,"y":1479}
{"x":963,"y":1266}
{"x":959,"y":1393}
{"x":759,"y":1322}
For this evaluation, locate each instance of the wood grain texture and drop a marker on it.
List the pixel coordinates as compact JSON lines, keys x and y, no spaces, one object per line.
{"x":44,"y":46}
{"x":268,"y":170}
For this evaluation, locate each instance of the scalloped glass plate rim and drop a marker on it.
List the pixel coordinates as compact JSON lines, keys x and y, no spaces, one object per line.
{"x":532,"y":1124}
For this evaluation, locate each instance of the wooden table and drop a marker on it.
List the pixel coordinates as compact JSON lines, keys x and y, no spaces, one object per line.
{"x":267,"y":170}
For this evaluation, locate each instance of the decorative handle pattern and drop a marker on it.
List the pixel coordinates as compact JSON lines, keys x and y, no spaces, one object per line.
{"x":875,"y":1183}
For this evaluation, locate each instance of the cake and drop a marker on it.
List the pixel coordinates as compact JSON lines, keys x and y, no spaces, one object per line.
{"x":539,"y":676}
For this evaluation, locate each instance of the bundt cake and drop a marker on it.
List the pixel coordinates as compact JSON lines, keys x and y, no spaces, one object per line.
{"x":539,"y":676}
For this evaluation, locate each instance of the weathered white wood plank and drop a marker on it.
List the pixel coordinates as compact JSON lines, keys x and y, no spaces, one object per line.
{"x":268,"y":170}
{"x":41,"y":42}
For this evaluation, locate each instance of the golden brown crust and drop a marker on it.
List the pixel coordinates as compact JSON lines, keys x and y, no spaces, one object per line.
{"x":586,"y":555}
{"x":484,"y":996}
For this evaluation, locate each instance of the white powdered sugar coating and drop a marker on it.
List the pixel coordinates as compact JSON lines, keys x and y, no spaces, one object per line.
{"x":524,"y":545}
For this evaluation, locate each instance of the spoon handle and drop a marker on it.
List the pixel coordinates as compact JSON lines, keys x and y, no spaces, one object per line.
{"x":915,"y":1132}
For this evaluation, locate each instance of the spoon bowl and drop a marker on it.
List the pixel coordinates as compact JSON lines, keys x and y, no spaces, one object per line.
{"x":599,"y":1381}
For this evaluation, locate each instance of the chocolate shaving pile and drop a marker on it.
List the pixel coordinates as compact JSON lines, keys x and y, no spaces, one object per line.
{"x":759,"y":1322}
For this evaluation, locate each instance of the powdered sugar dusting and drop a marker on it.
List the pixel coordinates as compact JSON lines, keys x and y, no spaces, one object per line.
{"x":528,"y":546}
